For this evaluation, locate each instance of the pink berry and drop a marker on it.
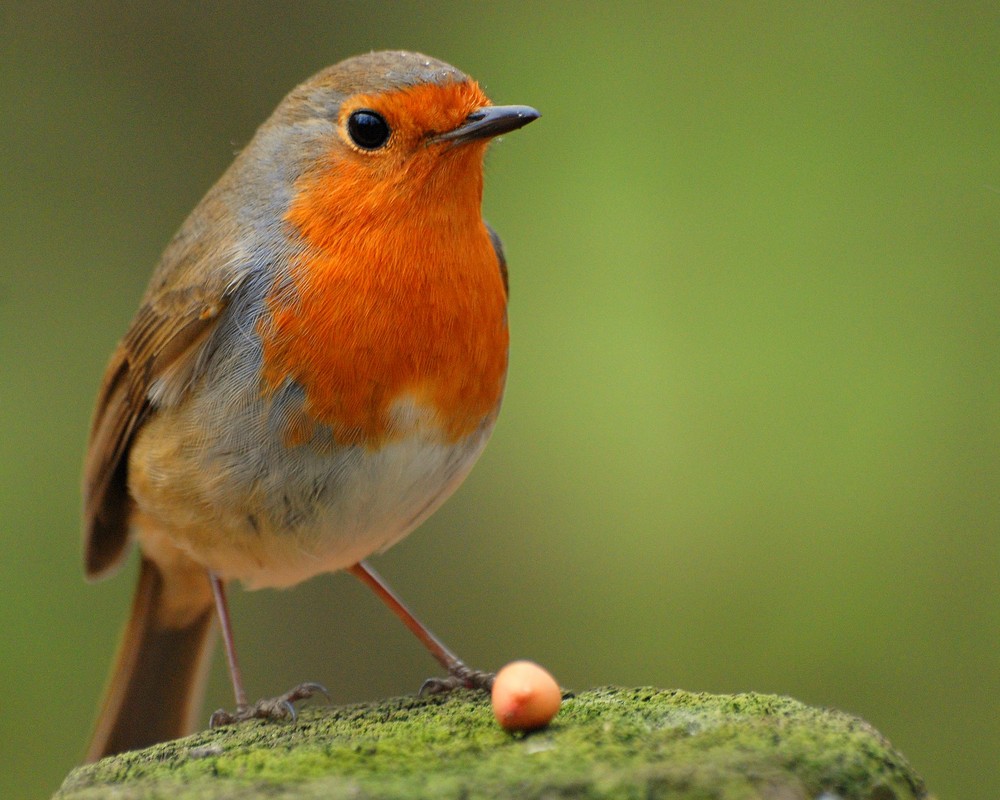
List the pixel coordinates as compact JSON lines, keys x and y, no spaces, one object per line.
{"x":525,"y":696}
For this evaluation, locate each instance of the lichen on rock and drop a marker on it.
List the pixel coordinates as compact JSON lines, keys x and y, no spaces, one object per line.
{"x":604,"y":743}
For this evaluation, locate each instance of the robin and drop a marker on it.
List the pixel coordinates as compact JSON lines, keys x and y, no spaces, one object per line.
{"x":316,"y":364}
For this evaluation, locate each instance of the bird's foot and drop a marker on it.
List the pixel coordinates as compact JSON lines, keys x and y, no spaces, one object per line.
{"x":274,"y":708}
{"x":459,"y":677}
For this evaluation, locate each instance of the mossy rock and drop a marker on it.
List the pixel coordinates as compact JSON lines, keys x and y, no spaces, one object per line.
{"x":605,"y":743}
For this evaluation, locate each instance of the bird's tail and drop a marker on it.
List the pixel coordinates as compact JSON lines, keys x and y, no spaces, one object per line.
{"x":156,"y":687}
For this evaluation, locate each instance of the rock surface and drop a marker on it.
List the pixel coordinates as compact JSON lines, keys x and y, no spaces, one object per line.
{"x":604,"y":743}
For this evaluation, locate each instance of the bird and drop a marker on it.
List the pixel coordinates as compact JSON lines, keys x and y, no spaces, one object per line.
{"x":316,"y":364}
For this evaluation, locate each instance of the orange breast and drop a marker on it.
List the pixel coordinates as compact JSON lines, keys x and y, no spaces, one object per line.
{"x":397,"y":296}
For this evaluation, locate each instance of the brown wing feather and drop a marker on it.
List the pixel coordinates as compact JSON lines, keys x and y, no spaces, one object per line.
{"x":501,"y":257}
{"x":163,"y":341}
{"x":203,"y":266}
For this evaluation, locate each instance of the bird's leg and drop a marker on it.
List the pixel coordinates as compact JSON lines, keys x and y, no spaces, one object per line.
{"x":226,"y":624}
{"x":458,"y":673}
{"x":271,"y":708}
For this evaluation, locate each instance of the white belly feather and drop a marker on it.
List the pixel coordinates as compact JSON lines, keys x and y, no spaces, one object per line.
{"x":249,"y":507}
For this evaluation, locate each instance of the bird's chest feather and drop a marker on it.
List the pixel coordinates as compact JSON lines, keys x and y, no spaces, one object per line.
{"x":395,"y":296}
{"x":416,"y":321}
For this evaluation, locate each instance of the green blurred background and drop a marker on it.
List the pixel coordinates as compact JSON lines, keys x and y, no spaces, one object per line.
{"x":750,"y":440}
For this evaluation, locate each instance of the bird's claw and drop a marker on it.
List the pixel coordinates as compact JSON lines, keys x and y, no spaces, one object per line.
{"x":459,"y":677}
{"x":273,"y":708}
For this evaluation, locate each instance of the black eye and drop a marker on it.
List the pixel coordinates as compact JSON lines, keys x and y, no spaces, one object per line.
{"x":367,"y":129}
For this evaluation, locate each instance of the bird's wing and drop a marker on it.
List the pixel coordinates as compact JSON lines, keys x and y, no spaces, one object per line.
{"x":501,"y":258}
{"x":159,"y":357}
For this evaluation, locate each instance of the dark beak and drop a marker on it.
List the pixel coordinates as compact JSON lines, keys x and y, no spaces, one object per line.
{"x":487,"y":122}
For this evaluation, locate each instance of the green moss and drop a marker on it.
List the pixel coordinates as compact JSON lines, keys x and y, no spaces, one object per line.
{"x":621,"y":743}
